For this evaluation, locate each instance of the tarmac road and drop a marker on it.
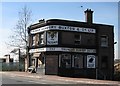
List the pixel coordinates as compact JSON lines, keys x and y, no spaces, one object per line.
{"x":24,"y":79}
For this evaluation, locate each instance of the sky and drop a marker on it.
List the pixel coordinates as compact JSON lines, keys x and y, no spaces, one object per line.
{"x":104,"y":13}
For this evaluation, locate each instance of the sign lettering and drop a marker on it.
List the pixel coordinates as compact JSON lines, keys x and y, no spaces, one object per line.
{"x":63,"y":49}
{"x":61,"y":27}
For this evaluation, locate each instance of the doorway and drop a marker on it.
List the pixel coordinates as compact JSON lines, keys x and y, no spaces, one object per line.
{"x":51,"y":64}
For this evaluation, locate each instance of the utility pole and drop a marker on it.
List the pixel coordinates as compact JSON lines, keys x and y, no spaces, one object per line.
{"x":19,"y":59}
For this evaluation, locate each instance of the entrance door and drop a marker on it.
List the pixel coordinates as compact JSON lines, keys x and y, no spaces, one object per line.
{"x":51,"y":64}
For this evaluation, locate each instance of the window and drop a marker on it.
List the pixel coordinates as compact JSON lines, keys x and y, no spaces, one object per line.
{"x":104,"y":41}
{"x":77,"y":38}
{"x":4,"y":60}
{"x":33,"y":40}
{"x":32,"y":62}
{"x":104,"y":62}
{"x":65,"y":61}
{"x":11,"y":60}
{"x":41,"y":36}
{"x":77,"y":61}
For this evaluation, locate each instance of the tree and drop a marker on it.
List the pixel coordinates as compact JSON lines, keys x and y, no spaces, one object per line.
{"x":20,"y":37}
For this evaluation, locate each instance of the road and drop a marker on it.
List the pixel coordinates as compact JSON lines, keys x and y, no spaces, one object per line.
{"x":14,"y":80}
{"x":24,"y":80}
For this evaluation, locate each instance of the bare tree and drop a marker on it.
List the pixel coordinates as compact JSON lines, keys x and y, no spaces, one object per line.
{"x":20,"y":37}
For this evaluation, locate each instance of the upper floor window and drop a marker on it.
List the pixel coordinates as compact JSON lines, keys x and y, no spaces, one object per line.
{"x":104,"y":41}
{"x":41,"y":36}
{"x":33,"y":40}
{"x":37,"y":39}
{"x":77,"y":38}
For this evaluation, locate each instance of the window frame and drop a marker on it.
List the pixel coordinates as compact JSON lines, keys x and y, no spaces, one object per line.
{"x":104,"y":41}
{"x":79,"y":56}
{"x":41,"y":38}
{"x":65,"y":58}
{"x":33,"y":40}
{"x":77,"y":41}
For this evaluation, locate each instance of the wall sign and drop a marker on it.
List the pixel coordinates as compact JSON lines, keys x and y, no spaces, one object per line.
{"x":65,"y":28}
{"x":63,"y":49}
{"x":90,"y":61}
{"x":52,"y":38}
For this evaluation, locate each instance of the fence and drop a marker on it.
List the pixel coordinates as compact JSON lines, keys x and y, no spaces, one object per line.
{"x":13,"y":66}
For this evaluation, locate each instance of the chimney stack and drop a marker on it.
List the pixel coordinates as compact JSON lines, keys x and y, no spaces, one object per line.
{"x":42,"y":21}
{"x":89,"y":16}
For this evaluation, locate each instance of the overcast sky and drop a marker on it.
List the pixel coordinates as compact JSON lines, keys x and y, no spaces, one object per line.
{"x":104,"y":13}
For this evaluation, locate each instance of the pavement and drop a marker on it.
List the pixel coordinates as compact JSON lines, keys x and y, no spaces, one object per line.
{"x":59,"y":78}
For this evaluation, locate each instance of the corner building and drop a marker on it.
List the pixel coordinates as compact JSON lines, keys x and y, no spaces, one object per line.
{"x":73,"y":48}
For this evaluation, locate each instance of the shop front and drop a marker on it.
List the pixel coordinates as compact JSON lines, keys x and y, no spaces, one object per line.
{"x":74,"y":62}
{"x":77,"y":65}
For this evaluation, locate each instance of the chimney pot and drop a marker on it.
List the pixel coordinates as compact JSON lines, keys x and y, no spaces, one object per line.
{"x":42,"y":21}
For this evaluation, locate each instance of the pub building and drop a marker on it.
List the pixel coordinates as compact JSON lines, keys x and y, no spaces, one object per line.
{"x":73,"y":48}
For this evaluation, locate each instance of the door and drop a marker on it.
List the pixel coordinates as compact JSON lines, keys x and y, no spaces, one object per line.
{"x":51,"y":64}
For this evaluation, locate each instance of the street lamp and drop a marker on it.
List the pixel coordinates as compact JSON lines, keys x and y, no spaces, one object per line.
{"x":115,"y":42}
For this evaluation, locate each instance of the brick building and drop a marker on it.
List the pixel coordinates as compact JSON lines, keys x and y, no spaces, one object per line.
{"x":73,"y":48}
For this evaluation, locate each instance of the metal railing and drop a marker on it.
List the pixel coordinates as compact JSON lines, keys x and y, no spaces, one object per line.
{"x":12,"y":66}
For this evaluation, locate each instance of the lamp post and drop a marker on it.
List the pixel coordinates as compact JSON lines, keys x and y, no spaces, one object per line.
{"x":114,"y":59}
{"x":115,"y":42}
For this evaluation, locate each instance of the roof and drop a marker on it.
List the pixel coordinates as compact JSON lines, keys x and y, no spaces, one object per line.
{"x":65,"y":22}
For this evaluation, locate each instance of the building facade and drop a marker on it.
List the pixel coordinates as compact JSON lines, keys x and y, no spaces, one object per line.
{"x":7,"y":59}
{"x":73,"y":48}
